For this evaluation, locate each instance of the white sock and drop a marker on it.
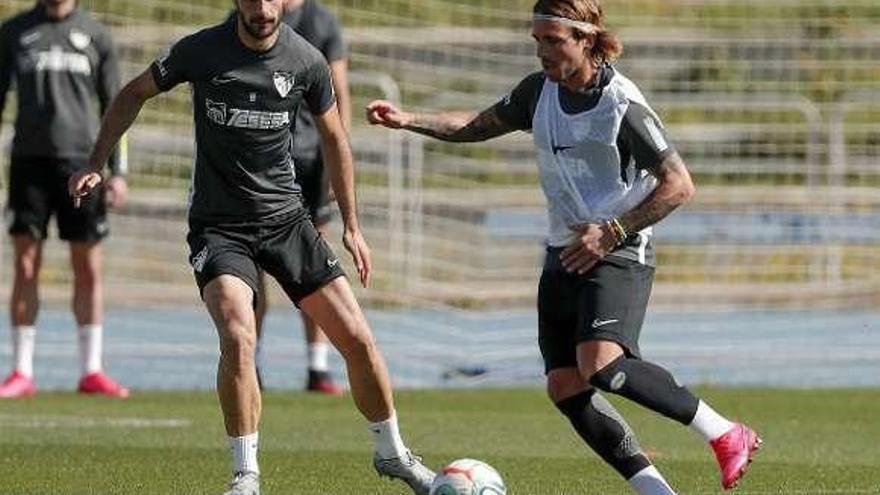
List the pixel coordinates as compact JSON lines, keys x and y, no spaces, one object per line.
{"x":244,"y":453}
{"x":709,"y":423}
{"x":23,"y":338}
{"x":318,"y":352}
{"x":649,"y":481}
{"x":91,"y":339}
{"x":386,"y":436}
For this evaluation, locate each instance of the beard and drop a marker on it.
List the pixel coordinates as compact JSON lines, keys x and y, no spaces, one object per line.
{"x":254,"y":26}
{"x":553,"y":71}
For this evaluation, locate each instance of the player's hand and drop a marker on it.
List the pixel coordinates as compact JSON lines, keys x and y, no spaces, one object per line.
{"x":381,"y":112}
{"x":594,"y":242}
{"x":360,"y":252}
{"x":117,"y":191}
{"x":81,"y":184}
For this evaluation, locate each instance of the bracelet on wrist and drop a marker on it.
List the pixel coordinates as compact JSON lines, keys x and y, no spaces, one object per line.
{"x":618,"y":238}
{"x":621,"y":230}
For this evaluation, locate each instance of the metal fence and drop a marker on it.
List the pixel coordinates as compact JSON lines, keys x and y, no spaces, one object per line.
{"x":775,"y":109}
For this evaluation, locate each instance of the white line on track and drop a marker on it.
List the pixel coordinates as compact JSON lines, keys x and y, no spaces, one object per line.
{"x":79,"y":422}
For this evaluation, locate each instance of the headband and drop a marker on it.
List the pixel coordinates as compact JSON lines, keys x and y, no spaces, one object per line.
{"x":586,"y":27}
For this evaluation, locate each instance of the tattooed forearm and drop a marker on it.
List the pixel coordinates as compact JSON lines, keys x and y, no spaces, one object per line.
{"x":675,"y":189}
{"x":653,"y":209}
{"x":459,"y":127}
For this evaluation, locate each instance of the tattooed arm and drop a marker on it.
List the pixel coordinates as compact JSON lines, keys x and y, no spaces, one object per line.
{"x":596,"y":240}
{"x":458,"y":127}
{"x":674,"y":189}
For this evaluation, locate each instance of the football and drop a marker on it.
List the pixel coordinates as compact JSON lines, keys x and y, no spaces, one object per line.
{"x":468,"y":477}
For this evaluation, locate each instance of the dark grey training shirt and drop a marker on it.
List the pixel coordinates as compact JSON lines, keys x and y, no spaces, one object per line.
{"x":321,"y":29}
{"x":244,"y":103}
{"x":66,"y":75}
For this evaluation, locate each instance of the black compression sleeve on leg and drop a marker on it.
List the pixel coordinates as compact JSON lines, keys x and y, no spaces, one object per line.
{"x":648,"y":385}
{"x":605,"y":431}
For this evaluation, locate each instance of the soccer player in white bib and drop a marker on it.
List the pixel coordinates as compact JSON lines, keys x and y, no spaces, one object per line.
{"x":609,"y":173}
{"x":249,"y":76}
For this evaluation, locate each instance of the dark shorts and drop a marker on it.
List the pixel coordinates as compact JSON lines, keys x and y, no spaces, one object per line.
{"x":290,"y":250}
{"x":38,"y":190}
{"x":607,"y":303}
{"x":314,"y":179}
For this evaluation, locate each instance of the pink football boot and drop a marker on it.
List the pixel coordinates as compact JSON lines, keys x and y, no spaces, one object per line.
{"x":101,"y":384}
{"x":734,"y":451}
{"x":17,"y":385}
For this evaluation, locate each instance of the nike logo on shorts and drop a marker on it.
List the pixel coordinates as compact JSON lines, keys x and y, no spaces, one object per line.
{"x":601,"y":323}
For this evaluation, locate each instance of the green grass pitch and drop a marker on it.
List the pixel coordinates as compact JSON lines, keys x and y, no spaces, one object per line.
{"x":816,"y":442}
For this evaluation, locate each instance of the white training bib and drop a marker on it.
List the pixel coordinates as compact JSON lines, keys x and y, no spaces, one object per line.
{"x":579,"y":161}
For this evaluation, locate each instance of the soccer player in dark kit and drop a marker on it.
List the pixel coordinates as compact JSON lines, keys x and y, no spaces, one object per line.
{"x":65,"y":71}
{"x":248,"y":76}
{"x":609,"y":172}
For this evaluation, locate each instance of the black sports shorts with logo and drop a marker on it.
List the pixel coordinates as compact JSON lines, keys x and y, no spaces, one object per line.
{"x":289,"y":248}
{"x":606,"y":303}
{"x":314,"y":179}
{"x":38,"y":190}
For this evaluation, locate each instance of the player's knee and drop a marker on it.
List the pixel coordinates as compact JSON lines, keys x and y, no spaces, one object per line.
{"x":26,"y":274}
{"x":358,"y":345}
{"x":594,"y":356}
{"x":237,"y":344}
{"x":562,"y":384}
{"x":574,"y":405}
{"x":609,"y":378}
{"x":27,"y":269}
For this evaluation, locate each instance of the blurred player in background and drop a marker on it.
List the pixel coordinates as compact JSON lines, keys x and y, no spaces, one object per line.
{"x":65,"y":70}
{"x":249,"y":76}
{"x":318,"y":26}
{"x":609,"y":173}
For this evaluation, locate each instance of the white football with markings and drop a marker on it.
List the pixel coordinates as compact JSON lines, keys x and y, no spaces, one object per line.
{"x":468,"y":477}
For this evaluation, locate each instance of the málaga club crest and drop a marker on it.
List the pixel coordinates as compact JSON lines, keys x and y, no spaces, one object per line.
{"x":283,"y":82}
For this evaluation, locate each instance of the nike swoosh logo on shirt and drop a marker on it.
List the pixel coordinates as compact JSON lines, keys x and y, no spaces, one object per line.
{"x":601,"y":323}
{"x":560,"y":149}
{"x":222,"y":79}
